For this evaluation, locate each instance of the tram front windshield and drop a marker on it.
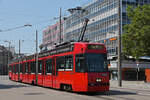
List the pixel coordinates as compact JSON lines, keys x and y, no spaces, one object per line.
{"x":91,"y":62}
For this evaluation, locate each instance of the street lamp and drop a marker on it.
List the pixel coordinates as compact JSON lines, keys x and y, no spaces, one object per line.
{"x":71,"y":10}
{"x":19,"y":58}
{"x":36,"y":52}
{"x":27,"y":25}
{"x":8,"y":56}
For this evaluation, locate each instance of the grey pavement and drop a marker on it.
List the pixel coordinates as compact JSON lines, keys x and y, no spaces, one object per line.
{"x":131,"y":90}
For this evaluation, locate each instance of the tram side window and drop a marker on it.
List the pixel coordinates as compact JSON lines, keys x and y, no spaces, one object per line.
{"x":68,"y":62}
{"x":11,"y":69}
{"x":60,"y":63}
{"x":14,"y":69}
{"x":17,"y":68}
{"x":80,"y":63}
{"x":26,"y":67}
{"x":65,"y":63}
{"x":40,"y":67}
{"x":48,"y":66}
{"x":32,"y":66}
{"x":21,"y":68}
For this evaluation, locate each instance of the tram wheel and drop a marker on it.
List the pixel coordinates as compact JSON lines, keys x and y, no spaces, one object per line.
{"x":66,"y":87}
{"x":32,"y":83}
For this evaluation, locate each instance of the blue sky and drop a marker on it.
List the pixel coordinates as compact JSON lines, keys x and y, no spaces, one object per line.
{"x":40,"y":13}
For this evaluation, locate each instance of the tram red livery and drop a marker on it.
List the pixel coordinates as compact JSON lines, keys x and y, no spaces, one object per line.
{"x":77,"y":66}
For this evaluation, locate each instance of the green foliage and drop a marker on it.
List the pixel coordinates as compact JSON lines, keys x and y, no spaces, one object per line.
{"x":136,"y":37}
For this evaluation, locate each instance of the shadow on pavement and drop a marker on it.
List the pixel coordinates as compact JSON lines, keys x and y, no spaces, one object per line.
{"x":4,"y":86}
{"x":111,"y":92}
{"x":117,"y":92}
{"x":37,"y":93}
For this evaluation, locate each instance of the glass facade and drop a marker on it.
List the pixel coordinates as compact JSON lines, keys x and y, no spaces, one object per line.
{"x":103,"y":24}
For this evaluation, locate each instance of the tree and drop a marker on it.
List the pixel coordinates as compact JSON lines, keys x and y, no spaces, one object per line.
{"x":136,"y":37}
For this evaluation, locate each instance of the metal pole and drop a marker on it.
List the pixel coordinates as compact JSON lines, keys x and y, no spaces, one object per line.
{"x":119,"y":45}
{"x":8,"y":57}
{"x":60,"y":26}
{"x":19,"y":62}
{"x":137,"y":76}
{"x":36,"y":57}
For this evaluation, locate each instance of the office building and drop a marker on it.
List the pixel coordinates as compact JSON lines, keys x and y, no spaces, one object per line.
{"x":51,"y":36}
{"x":103,"y":24}
{"x":102,"y":27}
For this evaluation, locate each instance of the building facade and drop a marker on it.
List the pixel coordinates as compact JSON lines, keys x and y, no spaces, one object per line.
{"x":103,"y":24}
{"x":4,"y":60}
{"x":51,"y":36}
{"x":103,"y":27}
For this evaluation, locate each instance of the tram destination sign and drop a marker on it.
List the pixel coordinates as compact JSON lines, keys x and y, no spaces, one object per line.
{"x":95,"y":47}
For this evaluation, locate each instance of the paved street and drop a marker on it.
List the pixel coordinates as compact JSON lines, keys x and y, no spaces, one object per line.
{"x":15,"y":91}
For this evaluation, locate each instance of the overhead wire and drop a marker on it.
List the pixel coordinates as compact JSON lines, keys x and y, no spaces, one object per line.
{"x":33,"y":24}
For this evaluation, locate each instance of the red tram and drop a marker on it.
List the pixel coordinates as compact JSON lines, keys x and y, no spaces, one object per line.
{"x":78,"y":66}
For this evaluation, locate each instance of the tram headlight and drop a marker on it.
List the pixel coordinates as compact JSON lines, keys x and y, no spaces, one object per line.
{"x":98,"y":79}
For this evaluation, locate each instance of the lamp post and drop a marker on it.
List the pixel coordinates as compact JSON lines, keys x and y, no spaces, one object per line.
{"x":60,"y":26}
{"x":8,"y":56}
{"x":19,"y":58}
{"x":36,"y":56}
{"x":36,"y":53}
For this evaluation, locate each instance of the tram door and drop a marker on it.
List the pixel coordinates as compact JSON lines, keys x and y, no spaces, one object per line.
{"x":54,"y":73}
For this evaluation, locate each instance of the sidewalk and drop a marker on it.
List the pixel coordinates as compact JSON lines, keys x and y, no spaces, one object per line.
{"x":131,"y":84}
